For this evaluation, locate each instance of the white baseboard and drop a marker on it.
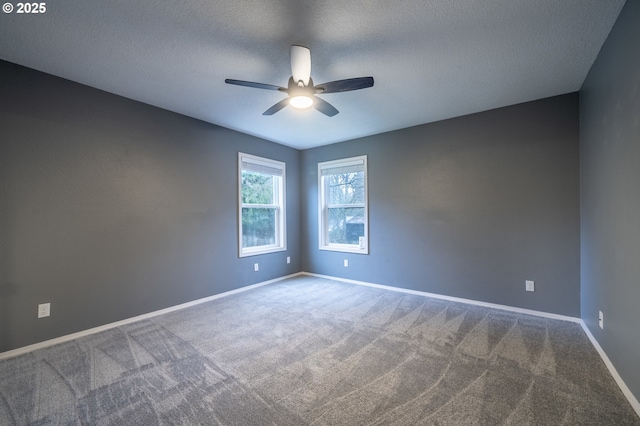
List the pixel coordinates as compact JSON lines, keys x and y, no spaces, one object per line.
{"x":453,"y":299}
{"x":68,"y":337}
{"x":623,"y":386}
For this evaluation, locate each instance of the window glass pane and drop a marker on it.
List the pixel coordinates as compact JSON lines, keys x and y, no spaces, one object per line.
{"x":346,"y":225}
{"x":257,"y":188}
{"x":258,"y":227}
{"x":346,"y":188}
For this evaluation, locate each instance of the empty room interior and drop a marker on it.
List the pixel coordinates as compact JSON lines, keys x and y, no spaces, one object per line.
{"x":315,"y":213}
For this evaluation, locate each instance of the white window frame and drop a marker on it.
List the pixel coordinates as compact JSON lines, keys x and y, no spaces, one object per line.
{"x":323,"y":206}
{"x":279,"y":205}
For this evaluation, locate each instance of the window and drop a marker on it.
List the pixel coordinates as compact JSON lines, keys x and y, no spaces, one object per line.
{"x":342,"y":205}
{"x":262,"y":198}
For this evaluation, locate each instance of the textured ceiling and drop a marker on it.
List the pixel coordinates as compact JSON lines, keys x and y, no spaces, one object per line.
{"x":431,"y":60}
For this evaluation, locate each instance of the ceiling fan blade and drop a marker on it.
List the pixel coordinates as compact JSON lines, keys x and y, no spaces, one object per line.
{"x":277,"y":107}
{"x":300,"y":64}
{"x":345,"y":85}
{"x":254,"y":85}
{"x":324,"y":107}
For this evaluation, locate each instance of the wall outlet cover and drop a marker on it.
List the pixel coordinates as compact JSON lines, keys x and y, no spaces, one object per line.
{"x":601,"y":319}
{"x":44,"y":310}
{"x":529,"y":285}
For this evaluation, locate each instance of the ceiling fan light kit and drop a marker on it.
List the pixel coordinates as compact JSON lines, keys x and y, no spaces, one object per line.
{"x":300,"y":102}
{"x":301,"y":91}
{"x":300,"y":94}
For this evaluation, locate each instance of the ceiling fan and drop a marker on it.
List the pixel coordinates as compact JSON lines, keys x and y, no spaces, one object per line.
{"x":301,"y":90}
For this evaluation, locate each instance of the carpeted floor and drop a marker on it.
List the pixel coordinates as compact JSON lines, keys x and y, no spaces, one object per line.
{"x":310,"y":351}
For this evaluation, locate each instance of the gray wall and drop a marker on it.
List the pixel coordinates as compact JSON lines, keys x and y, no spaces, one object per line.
{"x":110,"y":208}
{"x":610,"y":196}
{"x":469,"y":207}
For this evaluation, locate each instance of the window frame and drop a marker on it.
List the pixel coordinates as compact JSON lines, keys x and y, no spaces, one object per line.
{"x":324,"y":206}
{"x":279,"y":206}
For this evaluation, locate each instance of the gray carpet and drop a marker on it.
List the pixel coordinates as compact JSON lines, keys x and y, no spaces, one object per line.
{"x":310,"y":351}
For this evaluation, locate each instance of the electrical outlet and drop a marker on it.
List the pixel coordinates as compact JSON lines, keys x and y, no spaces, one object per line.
{"x":601,"y":320}
{"x":44,"y":310}
{"x":529,"y":285}
{"x":346,"y":263}
{"x":288,"y":259}
{"x":256,"y":267}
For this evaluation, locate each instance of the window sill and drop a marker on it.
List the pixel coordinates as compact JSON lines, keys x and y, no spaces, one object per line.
{"x":345,"y":249}
{"x":261,"y":250}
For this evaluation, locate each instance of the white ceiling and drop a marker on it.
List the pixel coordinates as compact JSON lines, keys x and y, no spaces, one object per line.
{"x":431,"y":59}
